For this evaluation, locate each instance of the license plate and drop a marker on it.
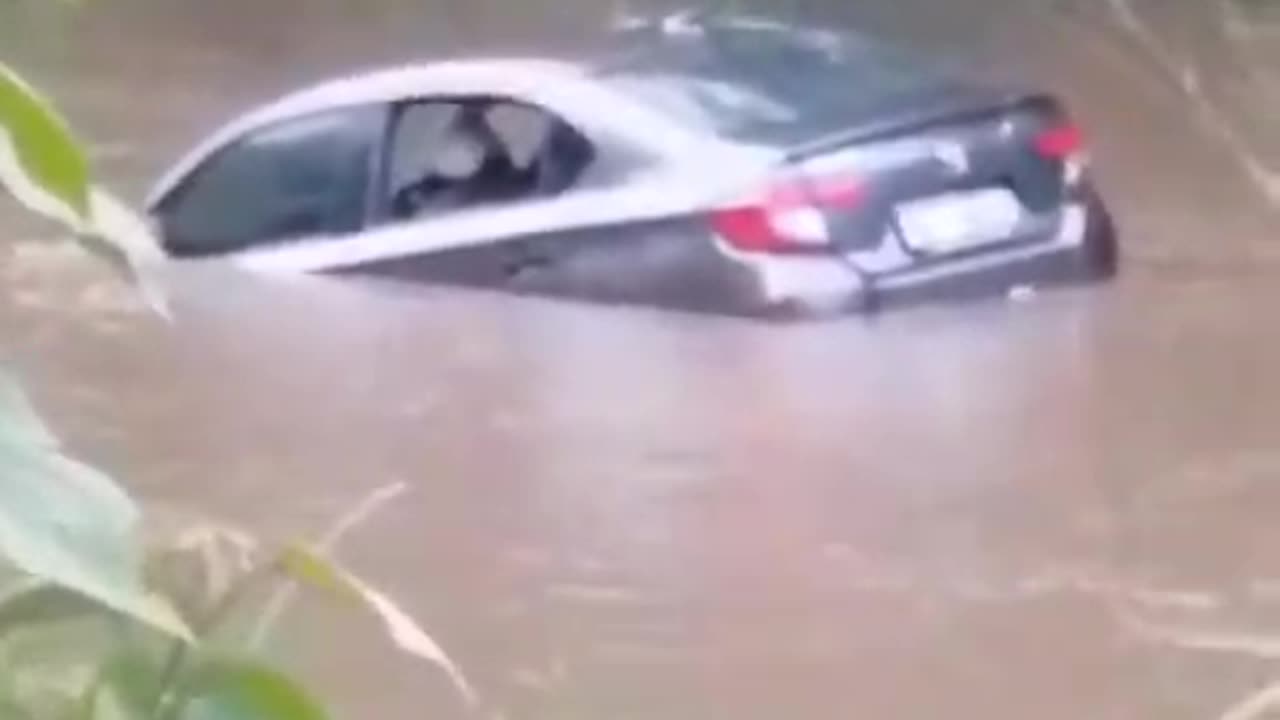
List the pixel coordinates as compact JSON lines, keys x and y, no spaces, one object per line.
{"x":959,"y":221}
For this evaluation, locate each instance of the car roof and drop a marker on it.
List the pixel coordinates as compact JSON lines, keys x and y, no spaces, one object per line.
{"x":394,"y":83}
{"x":663,"y":44}
{"x":530,"y":78}
{"x":632,"y":43}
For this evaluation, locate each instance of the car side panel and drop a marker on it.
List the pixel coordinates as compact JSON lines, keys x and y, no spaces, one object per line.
{"x":666,"y":263}
{"x":474,"y":265}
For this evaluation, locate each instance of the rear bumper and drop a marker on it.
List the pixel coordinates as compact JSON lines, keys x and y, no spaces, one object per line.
{"x":1082,"y":251}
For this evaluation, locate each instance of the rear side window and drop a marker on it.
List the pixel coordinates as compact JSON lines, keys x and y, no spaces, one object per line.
{"x":298,"y":178}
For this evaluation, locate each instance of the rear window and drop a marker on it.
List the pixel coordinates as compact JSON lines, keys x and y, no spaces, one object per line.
{"x":768,"y":84}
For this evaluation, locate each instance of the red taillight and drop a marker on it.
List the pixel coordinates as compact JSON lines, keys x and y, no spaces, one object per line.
{"x":748,"y":228}
{"x":1061,"y":142}
{"x":787,"y":216}
{"x":836,"y":192}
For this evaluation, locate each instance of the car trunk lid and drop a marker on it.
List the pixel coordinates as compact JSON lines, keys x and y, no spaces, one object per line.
{"x":956,"y":175}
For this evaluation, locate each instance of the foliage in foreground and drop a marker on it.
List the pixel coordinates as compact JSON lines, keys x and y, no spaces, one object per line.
{"x":95,"y":623}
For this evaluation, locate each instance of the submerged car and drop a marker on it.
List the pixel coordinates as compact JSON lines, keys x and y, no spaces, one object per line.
{"x":723,"y":164}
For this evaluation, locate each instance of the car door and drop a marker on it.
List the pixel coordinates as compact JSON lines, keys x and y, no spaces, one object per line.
{"x":436,"y":221}
{"x":300,"y":180}
{"x":581,"y":226}
{"x":435,"y":217}
{"x":595,"y":217}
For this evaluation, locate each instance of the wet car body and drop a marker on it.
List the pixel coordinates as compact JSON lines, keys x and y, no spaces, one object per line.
{"x":723,"y":164}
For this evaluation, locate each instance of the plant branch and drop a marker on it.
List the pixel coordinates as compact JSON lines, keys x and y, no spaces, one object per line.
{"x":328,"y":542}
{"x":170,"y":702}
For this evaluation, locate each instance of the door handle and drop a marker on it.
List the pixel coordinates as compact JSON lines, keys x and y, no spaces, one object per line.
{"x":525,"y":256}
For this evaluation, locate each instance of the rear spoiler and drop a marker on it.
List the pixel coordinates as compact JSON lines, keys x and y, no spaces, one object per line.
{"x":950,"y":110}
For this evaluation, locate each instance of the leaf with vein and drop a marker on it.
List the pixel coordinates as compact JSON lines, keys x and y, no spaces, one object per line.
{"x":66,"y":523}
{"x":243,"y":690}
{"x":44,"y":168}
{"x":307,"y":566}
{"x":40,"y":161}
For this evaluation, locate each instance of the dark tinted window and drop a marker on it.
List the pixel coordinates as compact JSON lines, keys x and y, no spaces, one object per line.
{"x":765,"y":82}
{"x":299,"y":178}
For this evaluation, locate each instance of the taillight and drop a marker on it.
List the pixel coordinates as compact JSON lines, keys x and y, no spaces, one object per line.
{"x":1062,"y":142}
{"x":789,"y":216}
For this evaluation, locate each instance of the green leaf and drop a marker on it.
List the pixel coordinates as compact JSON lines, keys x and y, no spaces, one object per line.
{"x":108,"y":705}
{"x":36,"y":602}
{"x":11,"y":710}
{"x":48,"y":670}
{"x":246,"y":690}
{"x":44,"y":168}
{"x":40,"y":161}
{"x":128,"y":687}
{"x":307,"y":566}
{"x":66,"y":523}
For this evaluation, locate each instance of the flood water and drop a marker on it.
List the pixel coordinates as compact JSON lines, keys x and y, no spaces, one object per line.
{"x":1059,"y":508}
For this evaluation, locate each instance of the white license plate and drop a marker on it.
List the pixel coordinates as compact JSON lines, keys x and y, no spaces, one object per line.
{"x":959,"y":221}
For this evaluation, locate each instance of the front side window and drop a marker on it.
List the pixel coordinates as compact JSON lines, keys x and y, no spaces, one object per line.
{"x":295,"y":179}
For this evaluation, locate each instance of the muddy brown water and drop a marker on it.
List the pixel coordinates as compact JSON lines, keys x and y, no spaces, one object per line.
{"x":1062,"y":508}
